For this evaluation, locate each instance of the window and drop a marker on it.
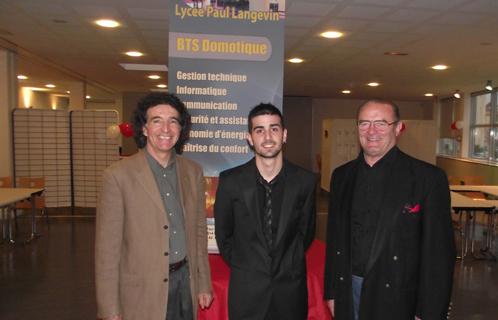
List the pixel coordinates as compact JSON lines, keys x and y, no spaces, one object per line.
{"x":449,"y":142}
{"x":484,"y":126}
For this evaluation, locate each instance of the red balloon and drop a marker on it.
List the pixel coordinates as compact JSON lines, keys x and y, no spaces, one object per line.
{"x":454,"y":125}
{"x":126,"y":129}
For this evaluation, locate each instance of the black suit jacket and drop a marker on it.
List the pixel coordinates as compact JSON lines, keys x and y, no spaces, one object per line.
{"x":410,"y":268}
{"x":261,"y":277}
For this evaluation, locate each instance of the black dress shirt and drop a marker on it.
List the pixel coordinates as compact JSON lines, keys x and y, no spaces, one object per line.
{"x":277,"y":194}
{"x":367,"y":200}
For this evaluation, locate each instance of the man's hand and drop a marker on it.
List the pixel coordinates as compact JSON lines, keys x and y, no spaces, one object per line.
{"x":205,"y":300}
{"x":330,"y":304}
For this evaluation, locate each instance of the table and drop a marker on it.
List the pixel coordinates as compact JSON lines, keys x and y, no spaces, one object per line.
{"x":315,"y":263}
{"x":461,"y":203}
{"x":8,"y":197}
{"x":493,"y":190}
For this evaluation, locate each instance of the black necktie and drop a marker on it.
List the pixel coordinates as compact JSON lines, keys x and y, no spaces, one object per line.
{"x":267,"y":214}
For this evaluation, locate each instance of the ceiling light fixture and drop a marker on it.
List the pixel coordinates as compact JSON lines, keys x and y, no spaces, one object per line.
{"x":457,"y":94}
{"x":162,"y":85}
{"x":68,"y":92}
{"x":331,"y":34}
{"x":154,"y":76}
{"x":144,"y":67}
{"x":49,"y":85}
{"x":428,"y":94}
{"x":395,"y":53}
{"x":489,"y":85}
{"x":134,"y":53}
{"x":346,"y":91}
{"x":373,"y":84}
{"x":88,"y":97}
{"x":440,"y":67}
{"x":107,"y":23}
{"x":295,"y":60}
{"x":22,"y":77}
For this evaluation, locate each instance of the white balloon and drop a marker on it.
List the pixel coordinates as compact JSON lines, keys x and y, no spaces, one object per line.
{"x":112,"y":131}
{"x":459,"y":124}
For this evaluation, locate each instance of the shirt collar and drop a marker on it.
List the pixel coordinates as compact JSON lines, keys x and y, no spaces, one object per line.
{"x":281,"y":174}
{"x":386,"y":160}
{"x":153,"y":162}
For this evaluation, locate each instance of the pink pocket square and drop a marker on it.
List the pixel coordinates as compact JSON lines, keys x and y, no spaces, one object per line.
{"x":414,"y":209}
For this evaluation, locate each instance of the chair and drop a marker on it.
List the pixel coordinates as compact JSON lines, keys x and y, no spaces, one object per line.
{"x":33,"y":182}
{"x":6,"y":182}
{"x":452,"y":180}
{"x":473,"y":180}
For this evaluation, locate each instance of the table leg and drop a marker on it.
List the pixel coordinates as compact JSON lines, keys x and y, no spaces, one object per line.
{"x":10,"y":212}
{"x":34,"y":234}
{"x":461,"y":229}
{"x":4,"y":225}
{"x":465,"y":245}
{"x":473,"y":233}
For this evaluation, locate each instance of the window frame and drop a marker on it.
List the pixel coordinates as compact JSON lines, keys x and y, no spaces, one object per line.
{"x":492,"y":154}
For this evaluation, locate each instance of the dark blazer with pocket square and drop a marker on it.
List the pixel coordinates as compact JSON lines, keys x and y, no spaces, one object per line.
{"x":260,"y":276}
{"x":410,"y":268}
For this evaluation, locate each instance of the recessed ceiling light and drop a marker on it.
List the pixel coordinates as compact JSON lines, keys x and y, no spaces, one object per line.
{"x":440,"y":67}
{"x":49,"y":85}
{"x":373,"y":84}
{"x":68,"y":91}
{"x":144,"y":67}
{"x":295,"y":60}
{"x":107,"y":23}
{"x":346,"y":91}
{"x":457,"y":94}
{"x":134,"y":53}
{"x":395,"y":53}
{"x":428,"y":94}
{"x":88,"y":97}
{"x":154,"y":76}
{"x":22,"y":77}
{"x":331,"y":34}
{"x":162,"y":85}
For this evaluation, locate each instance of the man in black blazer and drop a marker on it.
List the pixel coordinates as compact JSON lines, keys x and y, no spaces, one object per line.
{"x":265,"y":220}
{"x":390,"y":244}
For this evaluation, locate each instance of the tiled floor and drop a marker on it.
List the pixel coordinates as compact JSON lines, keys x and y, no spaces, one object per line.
{"x":52,"y":278}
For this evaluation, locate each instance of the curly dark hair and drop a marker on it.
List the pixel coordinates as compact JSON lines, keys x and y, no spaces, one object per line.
{"x":139,"y":118}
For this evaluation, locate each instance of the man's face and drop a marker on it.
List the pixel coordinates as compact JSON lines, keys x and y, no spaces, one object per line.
{"x":376,"y":142}
{"x":267,"y":136}
{"x":162,"y":129}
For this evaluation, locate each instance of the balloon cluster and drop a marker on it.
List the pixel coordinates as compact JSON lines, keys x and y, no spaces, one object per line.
{"x":457,"y":125}
{"x":114,"y":130}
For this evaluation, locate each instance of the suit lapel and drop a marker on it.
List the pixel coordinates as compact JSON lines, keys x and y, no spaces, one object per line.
{"x":183,"y":183}
{"x":398,"y":183}
{"x":288,"y":199}
{"x":146,"y":179}
{"x":249,"y":188}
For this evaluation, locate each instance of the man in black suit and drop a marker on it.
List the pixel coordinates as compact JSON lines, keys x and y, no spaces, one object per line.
{"x":390,"y":245}
{"x":265,"y":221}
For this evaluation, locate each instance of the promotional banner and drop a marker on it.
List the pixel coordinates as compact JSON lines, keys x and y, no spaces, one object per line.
{"x":225,"y":57}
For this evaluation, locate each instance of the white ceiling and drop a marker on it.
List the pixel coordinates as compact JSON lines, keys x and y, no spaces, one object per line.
{"x":460,"y":33}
